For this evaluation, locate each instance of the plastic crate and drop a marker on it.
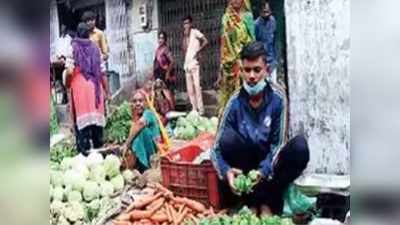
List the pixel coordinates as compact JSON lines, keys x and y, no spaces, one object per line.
{"x":181,"y":176}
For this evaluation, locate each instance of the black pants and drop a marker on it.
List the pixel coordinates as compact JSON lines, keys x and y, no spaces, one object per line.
{"x":90,"y":133}
{"x":292,"y":161}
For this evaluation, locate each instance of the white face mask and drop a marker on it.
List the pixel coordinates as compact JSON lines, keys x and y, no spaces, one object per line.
{"x":254,"y":90}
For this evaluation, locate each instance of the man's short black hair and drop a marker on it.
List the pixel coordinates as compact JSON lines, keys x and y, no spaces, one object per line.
{"x":88,"y":15}
{"x":253,"y":50}
{"x":188,"y":17}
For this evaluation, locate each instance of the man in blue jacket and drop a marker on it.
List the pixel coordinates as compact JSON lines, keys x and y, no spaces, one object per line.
{"x":252,"y":136}
{"x":265,"y":30}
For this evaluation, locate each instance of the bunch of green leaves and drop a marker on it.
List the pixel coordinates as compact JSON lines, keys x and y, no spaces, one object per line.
{"x":119,"y":124}
{"x":244,"y":217}
{"x":244,"y":183}
{"x":61,"y":151}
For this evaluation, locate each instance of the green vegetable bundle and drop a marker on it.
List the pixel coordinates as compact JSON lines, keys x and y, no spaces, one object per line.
{"x":119,"y":124}
{"x":193,"y":124}
{"x":61,"y":151}
{"x":244,"y":217}
{"x":244,"y":183}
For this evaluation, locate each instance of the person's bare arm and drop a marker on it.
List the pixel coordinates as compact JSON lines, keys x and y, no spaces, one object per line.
{"x":170,"y":66}
{"x":135,"y":129}
{"x":203,"y":43}
{"x":104,"y":46}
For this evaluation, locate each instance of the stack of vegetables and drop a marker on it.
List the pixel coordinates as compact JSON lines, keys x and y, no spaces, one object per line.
{"x":162,"y":207}
{"x":193,"y":124}
{"x":65,"y":149}
{"x":82,"y":188}
{"x":118,"y":124}
{"x":243,"y":217}
{"x":244,"y":183}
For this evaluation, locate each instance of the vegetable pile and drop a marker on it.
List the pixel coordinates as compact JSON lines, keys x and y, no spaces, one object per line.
{"x":193,"y":124}
{"x":118,"y":124}
{"x":243,"y":217}
{"x":65,"y":149}
{"x":162,"y":207}
{"x":82,"y":188}
{"x":244,"y":183}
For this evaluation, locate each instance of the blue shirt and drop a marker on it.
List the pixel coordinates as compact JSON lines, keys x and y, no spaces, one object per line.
{"x":265,"y":30}
{"x":250,"y":138}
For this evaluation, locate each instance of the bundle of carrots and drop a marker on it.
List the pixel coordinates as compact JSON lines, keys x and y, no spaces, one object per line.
{"x":163,"y":208}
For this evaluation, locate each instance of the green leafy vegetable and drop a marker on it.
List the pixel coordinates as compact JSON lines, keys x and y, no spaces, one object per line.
{"x":244,"y":183}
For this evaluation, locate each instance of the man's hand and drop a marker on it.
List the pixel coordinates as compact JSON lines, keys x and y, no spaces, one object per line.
{"x":259,"y":176}
{"x":230,"y":176}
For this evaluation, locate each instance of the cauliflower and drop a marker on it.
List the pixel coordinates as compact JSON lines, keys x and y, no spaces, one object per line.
{"x":56,"y":207}
{"x":74,"y":211}
{"x":128,"y":175}
{"x":74,"y":179}
{"x":118,"y":182}
{"x":94,"y":159}
{"x":56,"y":178}
{"x":112,"y":165}
{"x":74,"y":196}
{"x":91,"y":190}
{"x":94,"y":205}
{"x":82,"y":170}
{"x":107,"y":189}
{"x":63,"y":221}
{"x":66,"y":164}
{"x":98,"y":174}
{"x":79,"y":160}
{"x":58,"y":194}
{"x":51,"y":191}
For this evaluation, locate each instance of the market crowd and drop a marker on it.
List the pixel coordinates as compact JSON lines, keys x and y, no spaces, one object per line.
{"x":252,"y":132}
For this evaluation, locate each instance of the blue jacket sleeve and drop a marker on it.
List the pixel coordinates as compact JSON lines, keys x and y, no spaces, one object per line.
{"x":218,"y":161}
{"x":278,"y":138}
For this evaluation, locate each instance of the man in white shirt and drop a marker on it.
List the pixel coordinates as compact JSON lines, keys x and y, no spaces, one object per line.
{"x":193,"y":43}
{"x":63,"y":44}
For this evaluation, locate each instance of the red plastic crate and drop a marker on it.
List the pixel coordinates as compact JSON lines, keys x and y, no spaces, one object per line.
{"x":181,"y":176}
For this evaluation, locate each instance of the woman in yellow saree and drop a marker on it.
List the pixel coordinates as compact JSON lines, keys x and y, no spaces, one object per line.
{"x":237,"y":30}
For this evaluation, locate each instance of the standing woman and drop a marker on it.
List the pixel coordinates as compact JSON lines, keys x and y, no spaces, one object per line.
{"x":164,"y":63}
{"x":84,"y":69}
{"x":237,"y":31}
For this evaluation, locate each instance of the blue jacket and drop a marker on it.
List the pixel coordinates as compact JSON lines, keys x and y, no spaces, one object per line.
{"x":265,"y":31}
{"x":250,"y":138}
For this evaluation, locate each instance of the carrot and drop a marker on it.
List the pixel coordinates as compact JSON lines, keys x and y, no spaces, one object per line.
{"x":173,"y":214}
{"x":140,"y":214}
{"x":168,"y":212}
{"x":195,"y":220}
{"x":123,"y":217}
{"x":159,"y":217}
{"x":182,"y":216}
{"x":143,"y":202}
{"x":181,"y":208}
{"x":145,"y":222}
{"x":159,"y":187}
{"x":155,"y":203}
{"x":195,"y":205}
{"x":158,"y":206}
{"x":119,"y":222}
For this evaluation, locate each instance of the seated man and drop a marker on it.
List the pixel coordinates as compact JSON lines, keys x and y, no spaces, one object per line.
{"x":252,"y":136}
